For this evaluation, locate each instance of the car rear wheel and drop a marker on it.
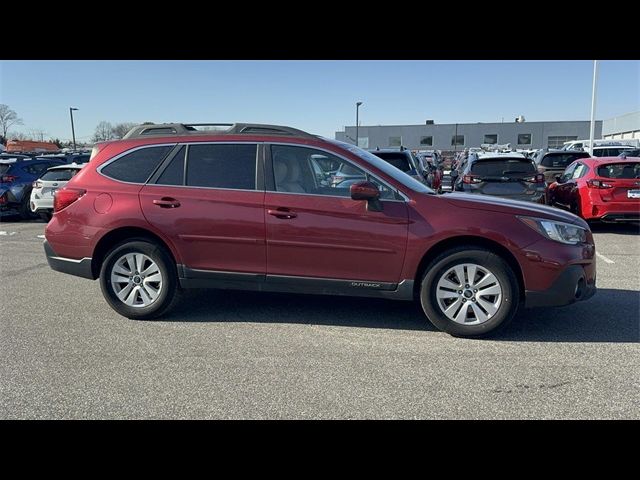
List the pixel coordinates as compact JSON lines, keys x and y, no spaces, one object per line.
{"x":469,"y":291}
{"x":139,"y":280}
{"x":25,"y":207}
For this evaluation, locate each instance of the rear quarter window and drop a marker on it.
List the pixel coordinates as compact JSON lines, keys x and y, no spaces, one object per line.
{"x":137,"y":166}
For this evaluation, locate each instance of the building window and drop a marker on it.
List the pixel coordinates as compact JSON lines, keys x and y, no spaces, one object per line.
{"x":395,"y":141}
{"x":524,"y":139}
{"x":491,"y":139}
{"x":363,"y":142}
{"x":457,"y":140}
{"x":558,"y":141}
{"x":426,"y":141}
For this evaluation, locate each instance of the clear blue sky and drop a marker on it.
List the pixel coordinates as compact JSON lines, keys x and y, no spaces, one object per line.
{"x":317,"y":96}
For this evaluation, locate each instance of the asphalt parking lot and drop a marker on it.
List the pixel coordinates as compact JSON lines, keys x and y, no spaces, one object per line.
{"x":224,"y":354}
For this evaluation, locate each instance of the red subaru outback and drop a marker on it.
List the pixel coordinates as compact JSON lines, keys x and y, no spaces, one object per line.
{"x":252,"y":207}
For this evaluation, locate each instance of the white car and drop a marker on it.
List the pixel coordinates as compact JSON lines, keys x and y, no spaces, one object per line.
{"x":44,"y":188}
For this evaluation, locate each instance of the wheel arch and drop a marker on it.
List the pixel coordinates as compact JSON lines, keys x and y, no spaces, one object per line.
{"x":120,"y":234}
{"x":472,"y":241}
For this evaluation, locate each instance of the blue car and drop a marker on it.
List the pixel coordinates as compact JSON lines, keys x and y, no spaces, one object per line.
{"x":17,"y":174}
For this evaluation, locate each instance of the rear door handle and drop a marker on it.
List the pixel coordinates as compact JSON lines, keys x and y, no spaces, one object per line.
{"x":282,"y":212}
{"x":167,"y":202}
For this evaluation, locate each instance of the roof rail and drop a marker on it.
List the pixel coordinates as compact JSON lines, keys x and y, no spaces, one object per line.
{"x":164,"y":129}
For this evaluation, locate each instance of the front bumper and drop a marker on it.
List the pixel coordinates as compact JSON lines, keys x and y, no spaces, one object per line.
{"x":79,"y":268}
{"x":572,"y":285}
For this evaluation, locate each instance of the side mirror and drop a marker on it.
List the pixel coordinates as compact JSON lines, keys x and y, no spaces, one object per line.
{"x":366,"y":191}
{"x":559,"y":178}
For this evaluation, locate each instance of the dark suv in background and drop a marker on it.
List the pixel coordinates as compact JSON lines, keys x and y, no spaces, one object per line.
{"x":508,"y":175}
{"x":554,"y":163}
{"x":172,"y":207}
{"x":17,"y":174}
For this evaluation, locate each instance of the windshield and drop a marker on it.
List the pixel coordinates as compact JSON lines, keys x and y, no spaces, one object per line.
{"x":383,"y":166}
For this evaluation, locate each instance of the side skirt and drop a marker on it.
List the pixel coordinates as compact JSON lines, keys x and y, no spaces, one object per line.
{"x":193,"y":278}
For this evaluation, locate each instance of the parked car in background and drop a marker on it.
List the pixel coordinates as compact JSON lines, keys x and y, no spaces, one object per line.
{"x":635,"y":152}
{"x":169,"y":206}
{"x":508,"y":175}
{"x":605,"y":189}
{"x":16,"y":179}
{"x":43,"y":189}
{"x":74,"y":157}
{"x":553,"y":163}
{"x":610,"y":151}
{"x":404,"y":160}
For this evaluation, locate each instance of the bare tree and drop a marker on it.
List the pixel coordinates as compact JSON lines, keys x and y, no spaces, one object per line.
{"x":119,"y":130}
{"x":20,"y":136}
{"x":8,"y":118}
{"x":104,"y":131}
{"x":37,"y":134}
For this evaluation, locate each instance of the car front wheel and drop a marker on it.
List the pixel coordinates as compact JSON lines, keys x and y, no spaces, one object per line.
{"x":139,"y":280}
{"x":469,"y":291}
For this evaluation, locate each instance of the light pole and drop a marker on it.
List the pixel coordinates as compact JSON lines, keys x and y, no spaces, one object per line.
{"x":357,"y":107}
{"x":73,"y":132}
{"x":593,"y":106}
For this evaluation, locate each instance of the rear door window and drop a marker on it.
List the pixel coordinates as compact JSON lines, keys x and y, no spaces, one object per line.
{"x":231,"y":166}
{"x":137,"y":166}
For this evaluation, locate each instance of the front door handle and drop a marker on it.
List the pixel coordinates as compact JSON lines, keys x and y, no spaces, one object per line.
{"x":282,"y":212}
{"x":167,"y":202}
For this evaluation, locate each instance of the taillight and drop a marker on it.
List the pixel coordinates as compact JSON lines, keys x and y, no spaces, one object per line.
{"x":7,"y":178}
{"x":471,"y":179}
{"x":598,"y":184}
{"x":538,"y":178}
{"x":37,"y":184}
{"x":65,"y":197}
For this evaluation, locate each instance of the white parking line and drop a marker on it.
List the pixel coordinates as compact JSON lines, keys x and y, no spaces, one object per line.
{"x":608,"y":260}
{"x":40,"y":236}
{"x":2,"y":232}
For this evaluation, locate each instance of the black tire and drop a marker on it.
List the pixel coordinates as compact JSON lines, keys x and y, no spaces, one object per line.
{"x":46,"y":216}
{"x":25,"y":207}
{"x":485,"y":258}
{"x":169,"y":294}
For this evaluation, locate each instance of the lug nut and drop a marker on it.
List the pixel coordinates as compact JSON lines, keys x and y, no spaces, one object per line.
{"x":464,"y":300}
{"x":466,"y":286}
{"x":460,"y":292}
{"x":473,"y":299}
{"x":475,"y":290}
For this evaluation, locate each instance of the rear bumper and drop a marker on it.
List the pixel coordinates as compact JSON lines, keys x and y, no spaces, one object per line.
{"x":79,"y":268}
{"x":571,"y":286}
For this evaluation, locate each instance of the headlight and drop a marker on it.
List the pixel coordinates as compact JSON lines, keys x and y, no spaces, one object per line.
{"x":559,"y":231}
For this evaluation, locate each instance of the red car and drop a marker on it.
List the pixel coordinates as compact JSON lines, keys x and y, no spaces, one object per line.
{"x":172,"y":207}
{"x":605,"y":189}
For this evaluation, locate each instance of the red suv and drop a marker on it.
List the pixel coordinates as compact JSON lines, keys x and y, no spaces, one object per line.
{"x":605,"y":189}
{"x":172,"y":207}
